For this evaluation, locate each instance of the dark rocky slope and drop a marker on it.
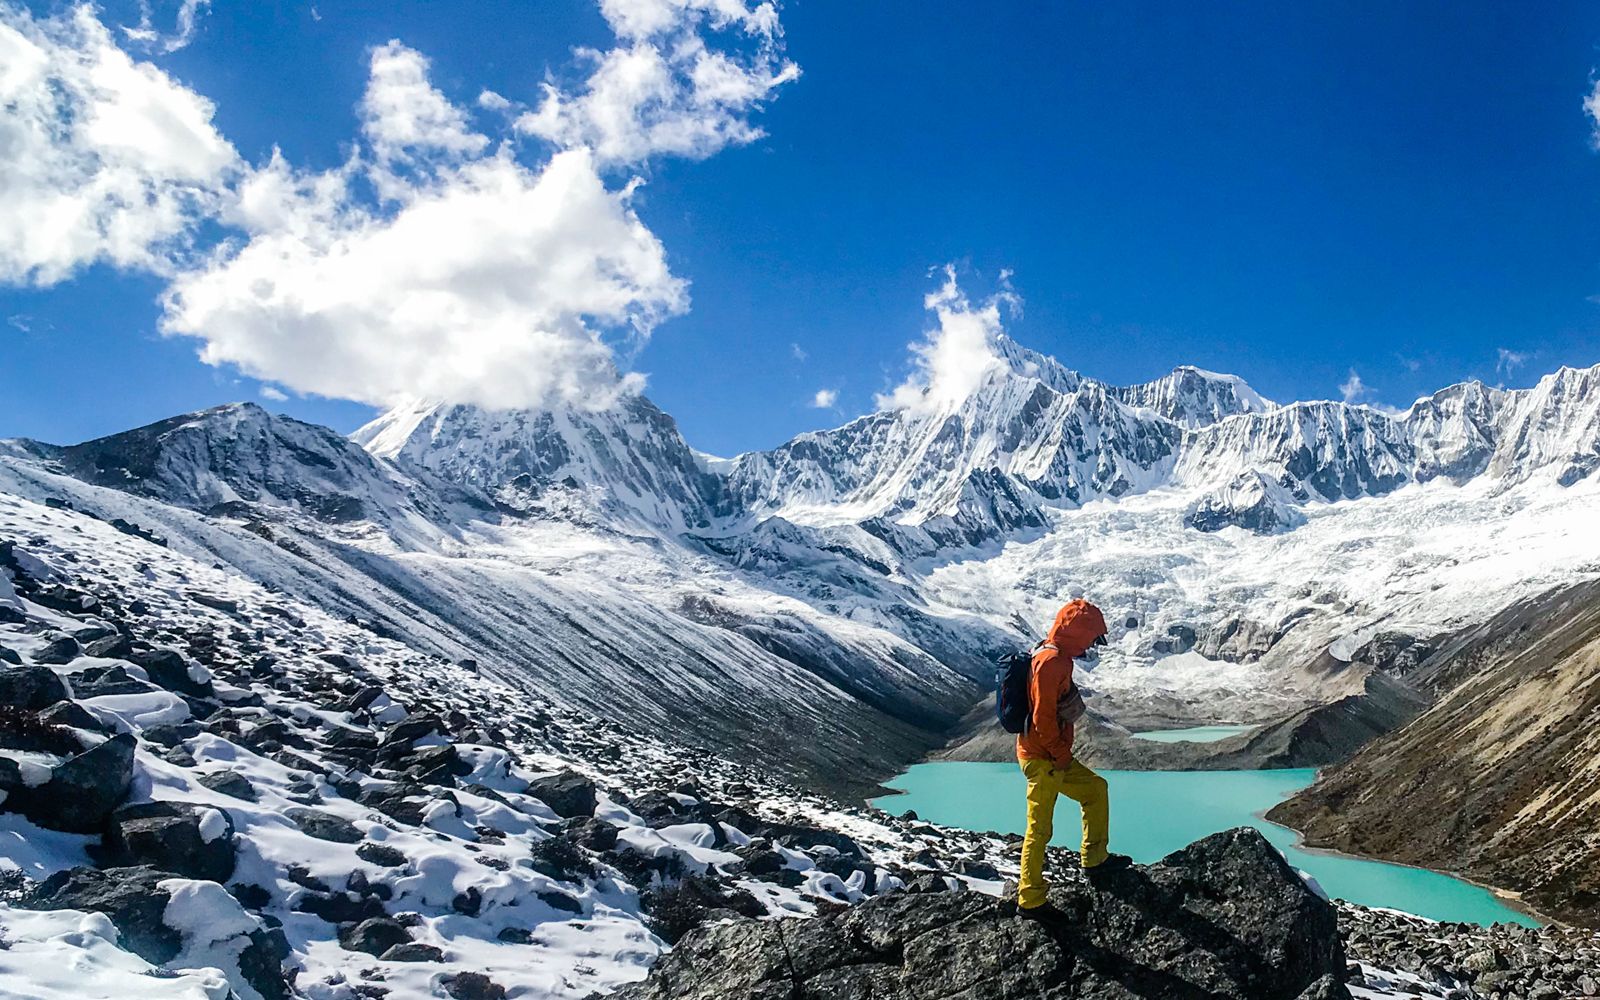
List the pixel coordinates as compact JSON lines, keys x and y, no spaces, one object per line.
{"x":1222,"y":918}
{"x":1500,"y":780}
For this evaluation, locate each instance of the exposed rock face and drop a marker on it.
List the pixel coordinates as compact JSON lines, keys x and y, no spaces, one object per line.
{"x":1499,"y":778}
{"x":172,"y":836}
{"x":82,"y":791}
{"x":131,"y":897}
{"x":568,"y":794}
{"x":1225,"y":917}
{"x":31,"y":688}
{"x":233,"y":452}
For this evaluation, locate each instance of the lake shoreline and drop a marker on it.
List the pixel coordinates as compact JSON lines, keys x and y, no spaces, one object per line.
{"x":1511,"y":898}
{"x":1434,"y":894}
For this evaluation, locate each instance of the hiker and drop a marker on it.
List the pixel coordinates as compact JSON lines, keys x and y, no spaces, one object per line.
{"x":1044,"y":749}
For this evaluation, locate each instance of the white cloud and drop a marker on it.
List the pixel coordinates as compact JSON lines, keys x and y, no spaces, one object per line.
{"x":1353,"y":390}
{"x":1591,"y":107}
{"x":405,"y":118}
{"x":183,"y":31}
{"x":1508,"y":361}
{"x":492,"y":285}
{"x":273,"y":393}
{"x":952,"y":359}
{"x":798,"y":352}
{"x":436,"y":261}
{"x":491,"y":101}
{"x":106,"y":160}
{"x":664,"y":90}
{"x":645,"y":18}
{"x":825,"y":398}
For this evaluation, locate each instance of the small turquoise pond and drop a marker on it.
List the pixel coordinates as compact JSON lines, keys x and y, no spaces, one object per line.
{"x":1153,"y":813}
{"x":1196,"y":734}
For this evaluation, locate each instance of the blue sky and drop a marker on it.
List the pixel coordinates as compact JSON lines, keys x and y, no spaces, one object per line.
{"x":1288,"y":192}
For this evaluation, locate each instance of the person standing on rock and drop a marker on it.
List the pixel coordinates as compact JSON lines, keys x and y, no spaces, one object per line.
{"x":1044,"y":749}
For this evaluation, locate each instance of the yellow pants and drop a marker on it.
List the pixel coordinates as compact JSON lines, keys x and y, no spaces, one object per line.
{"x":1045,"y":782}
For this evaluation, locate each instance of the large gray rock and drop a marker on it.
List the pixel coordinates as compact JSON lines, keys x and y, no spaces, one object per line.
{"x":170,"y":836}
{"x":568,"y":794}
{"x":137,"y":904}
{"x":81,"y":792}
{"x":169,"y":668}
{"x":131,"y":897}
{"x":59,"y":651}
{"x":31,"y":688}
{"x":1224,"y":918}
{"x":324,"y":826}
{"x":375,"y":935}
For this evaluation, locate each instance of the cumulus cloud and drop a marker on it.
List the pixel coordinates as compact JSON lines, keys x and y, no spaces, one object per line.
{"x":662,"y":89}
{"x":825,"y":398}
{"x":405,"y":118}
{"x":491,"y":285}
{"x":436,"y":261}
{"x":954,"y":357}
{"x":273,"y":393}
{"x":107,"y":160}
{"x":476,"y":278}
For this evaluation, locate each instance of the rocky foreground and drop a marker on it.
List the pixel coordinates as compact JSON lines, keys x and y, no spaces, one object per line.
{"x":1223,"y":918}
{"x":214,"y":790}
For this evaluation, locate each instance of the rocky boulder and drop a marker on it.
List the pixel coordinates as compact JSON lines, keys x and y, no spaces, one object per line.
{"x":168,"y":668}
{"x":80,"y":792}
{"x":568,"y":794}
{"x":59,"y":651}
{"x":157,"y":915}
{"x":31,"y":688}
{"x":324,"y":826}
{"x":375,"y":935}
{"x":1225,"y":917}
{"x":172,"y":836}
{"x":131,"y":897}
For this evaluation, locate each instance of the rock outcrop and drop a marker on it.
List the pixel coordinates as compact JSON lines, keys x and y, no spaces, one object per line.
{"x":1225,"y":917}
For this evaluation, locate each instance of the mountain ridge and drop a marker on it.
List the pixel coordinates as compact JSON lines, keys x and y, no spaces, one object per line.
{"x":882,"y":564}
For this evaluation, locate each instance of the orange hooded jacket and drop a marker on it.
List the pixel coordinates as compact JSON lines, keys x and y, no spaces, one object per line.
{"x":1077,"y":626}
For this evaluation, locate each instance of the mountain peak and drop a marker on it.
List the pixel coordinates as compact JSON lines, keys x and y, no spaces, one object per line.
{"x":1194,"y":397}
{"x":631,"y":454}
{"x":1029,"y":363}
{"x":238,"y":452}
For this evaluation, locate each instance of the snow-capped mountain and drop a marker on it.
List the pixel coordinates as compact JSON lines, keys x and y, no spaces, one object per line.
{"x":240,"y":453}
{"x":847,"y":589}
{"x":630,"y":459}
{"x":1193,"y":397}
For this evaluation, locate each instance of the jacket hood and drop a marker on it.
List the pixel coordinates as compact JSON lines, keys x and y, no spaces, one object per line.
{"x":1078,"y":624}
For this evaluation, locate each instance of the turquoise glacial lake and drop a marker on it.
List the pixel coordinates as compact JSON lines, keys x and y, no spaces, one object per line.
{"x":1153,"y":813}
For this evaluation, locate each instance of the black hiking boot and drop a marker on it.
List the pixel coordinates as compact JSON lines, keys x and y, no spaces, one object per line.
{"x":1112,"y":864}
{"x":1044,"y":913}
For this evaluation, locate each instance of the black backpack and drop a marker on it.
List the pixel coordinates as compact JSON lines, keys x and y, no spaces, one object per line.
{"x":1011,"y":677}
{"x":1014,"y":708}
